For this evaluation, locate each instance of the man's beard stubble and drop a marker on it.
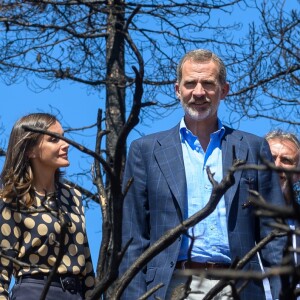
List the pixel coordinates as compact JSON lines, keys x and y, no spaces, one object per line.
{"x":194,"y":113}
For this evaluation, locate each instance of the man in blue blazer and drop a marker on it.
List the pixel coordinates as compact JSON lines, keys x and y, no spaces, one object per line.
{"x":285,"y":149}
{"x":170,"y":183}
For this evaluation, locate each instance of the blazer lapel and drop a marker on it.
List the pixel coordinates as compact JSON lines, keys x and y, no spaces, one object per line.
{"x":168,"y":154}
{"x":232,"y":147}
{"x":169,"y":157}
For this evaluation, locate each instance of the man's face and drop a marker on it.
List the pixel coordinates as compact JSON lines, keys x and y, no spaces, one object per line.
{"x":286,"y":155}
{"x":200,"y":91}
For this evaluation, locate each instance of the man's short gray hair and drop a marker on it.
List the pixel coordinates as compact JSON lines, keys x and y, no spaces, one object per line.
{"x":283,"y":135}
{"x":201,"y":55}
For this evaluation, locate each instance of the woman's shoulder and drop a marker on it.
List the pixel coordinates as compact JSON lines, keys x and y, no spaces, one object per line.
{"x":7,"y":208}
{"x":70,"y":193}
{"x":68,"y":189}
{"x":6,"y":202}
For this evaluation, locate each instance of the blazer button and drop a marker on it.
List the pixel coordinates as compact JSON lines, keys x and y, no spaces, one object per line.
{"x":171,"y":264}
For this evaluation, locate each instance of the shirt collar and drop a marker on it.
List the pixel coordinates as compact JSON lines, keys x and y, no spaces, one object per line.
{"x":192,"y":140}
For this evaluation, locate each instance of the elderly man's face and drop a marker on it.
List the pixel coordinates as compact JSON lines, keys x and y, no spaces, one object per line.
{"x":285,"y":154}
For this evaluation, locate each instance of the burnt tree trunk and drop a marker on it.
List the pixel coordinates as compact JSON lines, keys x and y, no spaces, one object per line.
{"x":114,"y":123}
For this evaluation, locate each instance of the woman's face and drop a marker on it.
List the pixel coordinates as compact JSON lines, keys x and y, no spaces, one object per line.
{"x":50,"y":153}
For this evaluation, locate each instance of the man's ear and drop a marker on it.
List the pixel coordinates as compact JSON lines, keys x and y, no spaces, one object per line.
{"x":225,"y":90}
{"x":177,"y":90}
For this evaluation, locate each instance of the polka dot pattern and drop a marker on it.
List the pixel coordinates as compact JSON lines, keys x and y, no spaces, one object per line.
{"x":36,"y":238}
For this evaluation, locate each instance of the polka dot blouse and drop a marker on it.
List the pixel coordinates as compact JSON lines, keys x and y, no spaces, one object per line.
{"x":34,"y":236}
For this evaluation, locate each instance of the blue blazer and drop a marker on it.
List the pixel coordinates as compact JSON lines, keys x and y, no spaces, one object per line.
{"x":155,"y":202}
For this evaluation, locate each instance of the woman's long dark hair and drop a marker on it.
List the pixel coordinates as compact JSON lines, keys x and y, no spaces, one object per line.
{"x":17,"y":173}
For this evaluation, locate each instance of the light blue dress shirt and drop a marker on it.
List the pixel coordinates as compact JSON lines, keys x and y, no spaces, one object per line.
{"x":210,"y":235}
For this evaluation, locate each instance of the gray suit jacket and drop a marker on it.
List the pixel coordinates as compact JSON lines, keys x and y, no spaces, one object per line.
{"x":155,"y":202}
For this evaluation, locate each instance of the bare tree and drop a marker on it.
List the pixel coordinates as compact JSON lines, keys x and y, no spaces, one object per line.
{"x":128,"y":52}
{"x":266,"y":71}
{"x":125,"y":48}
